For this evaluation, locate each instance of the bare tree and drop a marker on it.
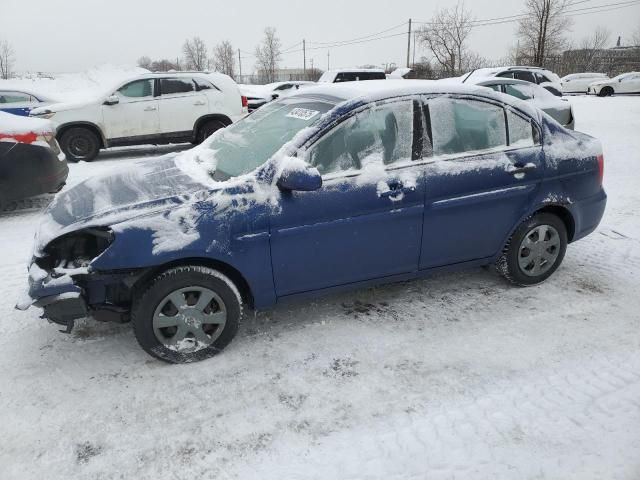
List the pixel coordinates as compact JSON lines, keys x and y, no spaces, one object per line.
{"x":268,"y":55}
{"x":590,"y":50}
{"x":224,"y":58}
{"x":164,"y":65}
{"x":7,"y":59}
{"x":195,"y":52}
{"x":446,"y":36}
{"x":543,"y":30}
{"x":145,"y":62}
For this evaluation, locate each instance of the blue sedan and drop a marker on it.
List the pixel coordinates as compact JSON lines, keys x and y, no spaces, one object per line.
{"x":21,"y":102}
{"x":336,"y":187}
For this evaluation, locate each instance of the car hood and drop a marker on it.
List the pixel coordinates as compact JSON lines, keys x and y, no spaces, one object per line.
{"x":62,"y":106}
{"x":599,"y":83}
{"x":140,"y":189}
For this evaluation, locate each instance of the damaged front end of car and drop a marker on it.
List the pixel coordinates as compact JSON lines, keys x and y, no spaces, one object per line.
{"x":63,"y":283}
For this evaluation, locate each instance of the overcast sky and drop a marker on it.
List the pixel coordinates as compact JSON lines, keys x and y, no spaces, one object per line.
{"x":73,"y":35}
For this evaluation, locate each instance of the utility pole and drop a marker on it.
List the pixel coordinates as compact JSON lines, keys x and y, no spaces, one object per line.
{"x":304,"y":58}
{"x":328,"y":61}
{"x":312,"y":66}
{"x":413,"y":64}
{"x":409,"y":45}
{"x":240,"y":65}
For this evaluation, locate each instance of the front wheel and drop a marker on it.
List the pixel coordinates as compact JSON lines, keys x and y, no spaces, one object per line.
{"x":606,"y":92}
{"x":208,"y":129}
{"x":535,"y":250}
{"x":187,"y":314}
{"x":80,"y":143}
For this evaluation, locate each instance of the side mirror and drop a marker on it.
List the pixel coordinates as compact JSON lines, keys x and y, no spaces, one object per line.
{"x":112,"y":100}
{"x":300,"y":180}
{"x":619,"y":80}
{"x":275,"y":96}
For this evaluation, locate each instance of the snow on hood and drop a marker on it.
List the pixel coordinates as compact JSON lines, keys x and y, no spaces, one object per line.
{"x":16,"y":124}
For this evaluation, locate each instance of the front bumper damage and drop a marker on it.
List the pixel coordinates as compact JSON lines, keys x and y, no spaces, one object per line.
{"x":65,"y":298}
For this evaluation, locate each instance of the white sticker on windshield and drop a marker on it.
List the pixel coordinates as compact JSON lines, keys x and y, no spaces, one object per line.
{"x":303,"y":113}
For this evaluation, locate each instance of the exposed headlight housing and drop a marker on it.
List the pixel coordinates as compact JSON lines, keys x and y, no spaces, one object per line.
{"x":76,"y":250}
{"x":44,"y":114}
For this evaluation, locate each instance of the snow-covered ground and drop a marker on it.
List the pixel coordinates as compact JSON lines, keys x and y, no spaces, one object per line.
{"x":458,"y":376}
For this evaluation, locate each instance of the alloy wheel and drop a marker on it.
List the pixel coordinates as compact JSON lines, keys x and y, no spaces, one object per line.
{"x":539,"y":250}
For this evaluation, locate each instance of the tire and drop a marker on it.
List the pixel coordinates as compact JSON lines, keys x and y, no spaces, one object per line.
{"x":207,"y":129}
{"x":79,"y":143}
{"x":526,"y":262}
{"x":606,"y":92}
{"x":195,"y":330}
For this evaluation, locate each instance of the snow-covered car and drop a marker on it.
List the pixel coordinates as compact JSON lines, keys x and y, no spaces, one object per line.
{"x":21,"y":101}
{"x":352,"y":75}
{"x":625,"y":83}
{"x":540,"y":76}
{"x":579,"y":82}
{"x":259,"y":95}
{"x":31,"y":162}
{"x":558,"y":108}
{"x":332,"y":188}
{"x":148,"y":109}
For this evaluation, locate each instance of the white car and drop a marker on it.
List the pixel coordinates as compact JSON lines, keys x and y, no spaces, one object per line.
{"x":20,"y":101}
{"x":154,"y":108}
{"x":625,"y":83}
{"x":352,"y":75}
{"x":579,"y":82}
{"x":258,"y":95}
{"x":540,"y":76}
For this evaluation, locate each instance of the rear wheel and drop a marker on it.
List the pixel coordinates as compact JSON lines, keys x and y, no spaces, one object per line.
{"x":535,"y":250}
{"x":187,"y":314}
{"x":208,"y":128}
{"x":80,"y":143}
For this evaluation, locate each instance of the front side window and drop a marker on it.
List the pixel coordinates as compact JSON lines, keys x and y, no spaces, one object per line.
{"x":170,"y":86}
{"x":137,"y":89}
{"x":462,"y":126}
{"x":505,"y":75}
{"x":526,"y":76}
{"x":286,"y":86}
{"x":381,"y":134}
{"x":520,"y":131}
{"x":15,"y":97}
{"x":542,"y":78}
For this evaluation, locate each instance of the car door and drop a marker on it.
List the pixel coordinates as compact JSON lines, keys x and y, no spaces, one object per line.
{"x":487,"y":163}
{"x":365,"y":222}
{"x":629,"y":84}
{"x":17,"y":103}
{"x":135,"y":116}
{"x":181,"y":105}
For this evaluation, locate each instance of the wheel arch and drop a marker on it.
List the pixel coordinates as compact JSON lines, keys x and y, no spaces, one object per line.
{"x":226,"y":269}
{"x":564,"y":214}
{"x":205,"y":118}
{"x":88,"y":125}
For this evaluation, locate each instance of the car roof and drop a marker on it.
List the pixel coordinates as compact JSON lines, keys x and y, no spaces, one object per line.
{"x":374,"y":90}
{"x":355,"y":70}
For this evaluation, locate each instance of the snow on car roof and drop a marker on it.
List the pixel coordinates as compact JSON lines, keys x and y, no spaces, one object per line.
{"x":15,"y":124}
{"x":373,"y":90}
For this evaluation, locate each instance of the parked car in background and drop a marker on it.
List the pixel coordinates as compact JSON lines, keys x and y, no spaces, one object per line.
{"x":259,"y":95}
{"x":148,"y":109}
{"x":558,"y":108}
{"x":31,"y":162}
{"x":352,"y":75}
{"x":539,"y":76}
{"x":579,"y":82}
{"x":335,"y":187}
{"x":21,"y":102}
{"x":625,"y":83}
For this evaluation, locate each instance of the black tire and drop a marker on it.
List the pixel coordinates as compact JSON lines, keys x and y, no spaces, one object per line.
{"x":144,"y":306}
{"x":606,"y":92}
{"x":79,"y":143}
{"x":207,"y":129}
{"x":516,"y":252}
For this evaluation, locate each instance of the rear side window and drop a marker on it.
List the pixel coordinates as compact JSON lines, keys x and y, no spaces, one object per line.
{"x":523,"y":92}
{"x":505,"y":75}
{"x":381,"y":134}
{"x":15,"y":97}
{"x":542,"y":78}
{"x":494,"y":87}
{"x":171,"y":86}
{"x":137,"y":89}
{"x":460,"y":126}
{"x":526,"y":76}
{"x":520,"y":131}
{"x":202,"y":84}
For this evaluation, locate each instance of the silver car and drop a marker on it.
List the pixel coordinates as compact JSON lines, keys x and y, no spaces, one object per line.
{"x":558,"y":108}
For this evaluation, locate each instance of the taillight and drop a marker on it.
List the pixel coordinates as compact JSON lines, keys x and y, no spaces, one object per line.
{"x":601,"y":167}
{"x":245,"y":102}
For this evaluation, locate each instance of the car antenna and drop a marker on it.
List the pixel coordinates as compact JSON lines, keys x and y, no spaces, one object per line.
{"x":467,"y":77}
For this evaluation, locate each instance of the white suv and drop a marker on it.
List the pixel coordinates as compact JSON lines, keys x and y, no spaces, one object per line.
{"x":154,"y":108}
{"x":540,"y":76}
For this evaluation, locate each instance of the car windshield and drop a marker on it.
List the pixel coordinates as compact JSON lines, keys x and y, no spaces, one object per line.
{"x":620,"y":77}
{"x":246,"y":145}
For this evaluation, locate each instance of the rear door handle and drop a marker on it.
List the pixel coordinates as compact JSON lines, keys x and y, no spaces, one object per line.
{"x":199,"y":104}
{"x":150,"y":109}
{"x":395,"y":190}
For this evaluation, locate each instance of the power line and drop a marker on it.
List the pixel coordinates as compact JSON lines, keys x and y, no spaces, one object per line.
{"x":361,"y":38}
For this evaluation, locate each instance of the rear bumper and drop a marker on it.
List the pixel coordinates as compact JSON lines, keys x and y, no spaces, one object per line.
{"x":587,"y":214}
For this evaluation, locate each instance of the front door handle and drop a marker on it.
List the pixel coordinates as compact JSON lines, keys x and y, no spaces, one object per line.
{"x":199,"y":104}
{"x":150,"y":109}
{"x":520,"y":169}
{"x":395,"y":190}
